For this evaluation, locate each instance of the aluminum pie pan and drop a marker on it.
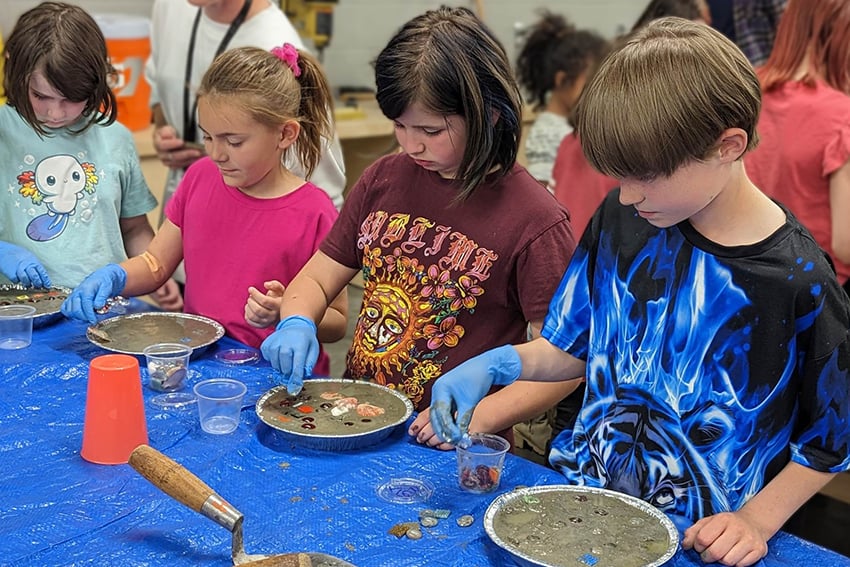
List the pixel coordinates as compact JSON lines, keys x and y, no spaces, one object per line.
{"x":332,"y":432}
{"x":131,"y":334}
{"x":586,"y":544}
{"x":47,"y":301}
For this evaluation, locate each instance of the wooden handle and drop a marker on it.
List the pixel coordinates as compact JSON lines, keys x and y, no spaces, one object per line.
{"x":175,"y":480}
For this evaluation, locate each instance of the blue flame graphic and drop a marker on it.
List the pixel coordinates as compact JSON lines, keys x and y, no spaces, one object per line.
{"x":670,"y":414}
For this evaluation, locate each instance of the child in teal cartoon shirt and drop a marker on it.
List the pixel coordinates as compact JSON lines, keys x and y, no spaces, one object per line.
{"x":74,"y":195}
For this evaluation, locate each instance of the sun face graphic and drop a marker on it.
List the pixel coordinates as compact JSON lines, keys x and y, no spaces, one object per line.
{"x":409,"y":321}
{"x":390,"y":322}
{"x":386,"y":320}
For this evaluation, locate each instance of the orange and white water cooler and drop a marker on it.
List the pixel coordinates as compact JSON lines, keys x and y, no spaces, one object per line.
{"x":128,"y":46}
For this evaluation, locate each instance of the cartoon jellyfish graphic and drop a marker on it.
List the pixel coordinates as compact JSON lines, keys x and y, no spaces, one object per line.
{"x":58,"y":182}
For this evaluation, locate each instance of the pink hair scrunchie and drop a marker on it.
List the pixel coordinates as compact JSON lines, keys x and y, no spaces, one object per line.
{"x":289,"y":55}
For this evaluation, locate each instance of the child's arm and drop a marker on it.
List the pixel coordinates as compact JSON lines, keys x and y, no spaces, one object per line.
{"x":335,"y":322}
{"x":517,"y":402}
{"x":315,"y":288}
{"x":456,"y":393}
{"x":138,"y":235}
{"x":740,"y":538}
{"x":503,"y":409}
{"x":136,"y":276}
{"x":151,"y":266}
{"x":500,"y":410}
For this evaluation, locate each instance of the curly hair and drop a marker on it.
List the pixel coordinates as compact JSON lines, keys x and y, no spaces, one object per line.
{"x":555,"y":45}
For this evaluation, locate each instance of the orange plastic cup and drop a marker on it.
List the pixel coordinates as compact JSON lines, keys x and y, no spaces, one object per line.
{"x":115,"y":412}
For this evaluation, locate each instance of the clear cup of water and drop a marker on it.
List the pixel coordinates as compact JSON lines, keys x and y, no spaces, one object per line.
{"x":219,"y":404}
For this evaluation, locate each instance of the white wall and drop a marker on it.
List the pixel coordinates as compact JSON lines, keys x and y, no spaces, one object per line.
{"x":362,"y":27}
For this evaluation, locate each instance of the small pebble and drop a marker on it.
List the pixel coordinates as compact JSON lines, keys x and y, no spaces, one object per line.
{"x":414,"y":533}
{"x":465,"y":521}
{"x":428,"y":521}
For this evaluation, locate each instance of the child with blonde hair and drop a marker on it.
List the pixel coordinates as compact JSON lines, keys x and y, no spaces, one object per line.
{"x":242,"y":222}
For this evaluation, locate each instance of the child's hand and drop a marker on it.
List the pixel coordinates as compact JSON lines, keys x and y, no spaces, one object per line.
{"x":728,"y":538}
{"x":292,"y":350}
{"x":168,"y":297}
{"x":263,"y":309}
{"x":21,"y":266}
{"x":424,"y":433}
{"x":172,"y":150}
{"x":456,"y":393}
{"x":93,"y":292}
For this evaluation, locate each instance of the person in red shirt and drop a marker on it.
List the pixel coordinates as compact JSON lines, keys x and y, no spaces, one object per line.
{"x":803,"y":159}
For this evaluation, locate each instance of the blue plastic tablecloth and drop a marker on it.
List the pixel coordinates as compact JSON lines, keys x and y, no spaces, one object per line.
{"x":58,"y":509}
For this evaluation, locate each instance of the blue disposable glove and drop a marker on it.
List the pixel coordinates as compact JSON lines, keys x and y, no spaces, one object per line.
{"x":93,"y":292}
{"x":455,"y":393}
{"x":292,"y":350}
{"x":21,"y":266}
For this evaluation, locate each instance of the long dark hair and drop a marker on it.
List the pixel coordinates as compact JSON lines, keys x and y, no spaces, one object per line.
{"x":449,"y":62}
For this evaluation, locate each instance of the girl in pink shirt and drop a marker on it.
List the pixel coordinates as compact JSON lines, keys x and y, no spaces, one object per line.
{"x":242,"y":222}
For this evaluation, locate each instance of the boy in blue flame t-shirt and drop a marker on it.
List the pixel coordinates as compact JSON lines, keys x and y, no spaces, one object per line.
{"x":709,"y":324}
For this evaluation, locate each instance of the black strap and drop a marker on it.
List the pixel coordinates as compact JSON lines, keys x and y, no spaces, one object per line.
{"x":189,"y":110}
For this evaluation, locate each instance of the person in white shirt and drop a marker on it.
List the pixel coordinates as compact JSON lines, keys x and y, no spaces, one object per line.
{"x":179,"y":59}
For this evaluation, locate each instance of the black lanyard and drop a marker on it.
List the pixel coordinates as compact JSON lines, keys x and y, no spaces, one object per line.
{"x":189,"y":113}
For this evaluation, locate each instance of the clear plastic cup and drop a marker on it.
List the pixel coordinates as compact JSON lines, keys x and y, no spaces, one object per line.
{"x":219,"y":404}
{"x":168,"y":365}
{"x":16,"y":326}
{"x":480,"y":462}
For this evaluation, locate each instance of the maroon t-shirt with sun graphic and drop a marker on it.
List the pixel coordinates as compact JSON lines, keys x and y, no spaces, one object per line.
{"x":444,"y":281}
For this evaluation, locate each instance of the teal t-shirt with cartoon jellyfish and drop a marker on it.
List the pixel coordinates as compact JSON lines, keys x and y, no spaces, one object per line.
{"x":64,"y":194}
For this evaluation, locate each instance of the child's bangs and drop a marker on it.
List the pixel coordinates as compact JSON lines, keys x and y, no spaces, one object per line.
{"x":631,"y":134}
{"x":663,"y":101}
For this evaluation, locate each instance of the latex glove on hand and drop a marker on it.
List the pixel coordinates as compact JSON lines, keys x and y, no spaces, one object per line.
{"x":21,"y":266}
{"x":292,"y":350}
{"x":93,"y":292}
{"x":456,"y":393}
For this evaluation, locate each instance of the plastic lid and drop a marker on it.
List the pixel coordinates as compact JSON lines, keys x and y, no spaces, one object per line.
{"x":405,"y":490}
{"x":238,"y":356}
{"x":173,"y":400}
